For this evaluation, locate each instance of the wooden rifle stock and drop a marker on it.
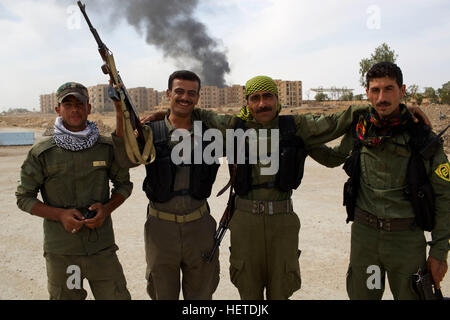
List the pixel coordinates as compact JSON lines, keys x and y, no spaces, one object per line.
{"x":139,"y":152}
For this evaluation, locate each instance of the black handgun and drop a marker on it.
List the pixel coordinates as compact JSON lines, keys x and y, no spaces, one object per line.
{"x":87,"y":214}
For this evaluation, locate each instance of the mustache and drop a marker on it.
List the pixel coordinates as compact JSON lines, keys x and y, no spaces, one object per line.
{"x":264,"y":109}
{"x":383,"y":104}
{"x":184,"y":101}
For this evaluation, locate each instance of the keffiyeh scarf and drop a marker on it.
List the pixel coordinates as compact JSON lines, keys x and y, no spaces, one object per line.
{"x":256,"y":84}
{"x":75,"y":141}
{"x":365,"y":122}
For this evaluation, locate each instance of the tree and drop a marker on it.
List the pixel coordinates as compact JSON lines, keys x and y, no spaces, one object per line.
{"x":411,"y":92}
{"x":321,"y":96}
{"x":419,"y":98}
{"x":444,"y":93}
{"x":347,"y":96}
{"x":382,"y":53}
{"x":430,"y":94}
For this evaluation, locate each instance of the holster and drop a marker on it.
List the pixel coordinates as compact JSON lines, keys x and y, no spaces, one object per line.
{"x":352,"y":168}
{"x":423,"y":285}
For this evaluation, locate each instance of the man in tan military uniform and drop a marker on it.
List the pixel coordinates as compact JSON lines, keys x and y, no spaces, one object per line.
{"x":179,"y":230}
{"x":72,"y":170}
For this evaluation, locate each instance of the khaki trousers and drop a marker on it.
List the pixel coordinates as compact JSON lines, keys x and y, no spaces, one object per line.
{"x":173,"y":248}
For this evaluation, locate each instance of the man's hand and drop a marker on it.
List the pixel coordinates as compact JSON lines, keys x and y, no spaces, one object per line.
{"x":157,"y":116}
{"x":100,"y":217}
{"x":72,"y":220}
{"x":438,"y":270}
{"x":419,"y":116}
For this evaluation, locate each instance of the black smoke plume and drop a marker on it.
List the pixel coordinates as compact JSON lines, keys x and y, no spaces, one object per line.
{"x":171,"y":26}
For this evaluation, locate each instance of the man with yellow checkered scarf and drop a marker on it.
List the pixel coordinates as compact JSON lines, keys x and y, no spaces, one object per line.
{"x":264,"y":227}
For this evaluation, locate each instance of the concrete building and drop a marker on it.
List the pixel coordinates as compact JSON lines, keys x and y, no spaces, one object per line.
{"x":48,"y":102}
{"x":162,"y":99}
{"x":209,"y":97}
{"x":139,"y":98}
{"x":289,"y":93}
{"x":152,"y":98}
{"x":234,"y":96}
{"x":98,"y":98}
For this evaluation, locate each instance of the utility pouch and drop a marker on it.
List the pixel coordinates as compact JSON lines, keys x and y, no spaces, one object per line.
{"x":292,"y":156}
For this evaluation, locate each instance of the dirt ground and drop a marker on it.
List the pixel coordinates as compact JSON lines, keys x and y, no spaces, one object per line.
{"x":324,"y":235}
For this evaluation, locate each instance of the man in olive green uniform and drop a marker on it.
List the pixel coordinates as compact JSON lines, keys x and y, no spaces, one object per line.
{"x":264,"y":227}
{"x":385,"y":237}
{"x":72,"y":170}
{"x":179,"y":231}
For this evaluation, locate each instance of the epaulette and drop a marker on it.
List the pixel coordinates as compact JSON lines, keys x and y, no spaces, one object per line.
{"x":105,"y":140}
{"x":43,"y":146}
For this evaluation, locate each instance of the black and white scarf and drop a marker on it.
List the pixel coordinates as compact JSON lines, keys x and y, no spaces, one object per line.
{"x":75,"y":141}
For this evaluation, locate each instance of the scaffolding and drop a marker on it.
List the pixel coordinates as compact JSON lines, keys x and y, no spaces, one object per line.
{"x":333,"y":93}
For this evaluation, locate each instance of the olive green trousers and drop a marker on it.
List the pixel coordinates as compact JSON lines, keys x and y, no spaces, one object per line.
{"x":265,"y":255}
{"x":181,"y":248}
{"x":102,"y":270}
{"x":375,"y":253}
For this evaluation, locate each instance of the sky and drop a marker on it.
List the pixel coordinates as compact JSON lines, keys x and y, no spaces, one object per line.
{"x":45,"y":43}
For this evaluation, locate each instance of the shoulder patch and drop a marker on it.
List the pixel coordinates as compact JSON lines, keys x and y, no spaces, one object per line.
{"x":443,"y":171}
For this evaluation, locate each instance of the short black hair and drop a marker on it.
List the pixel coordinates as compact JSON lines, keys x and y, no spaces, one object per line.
{"x":385,"y":69}
{"x":184,"y":75}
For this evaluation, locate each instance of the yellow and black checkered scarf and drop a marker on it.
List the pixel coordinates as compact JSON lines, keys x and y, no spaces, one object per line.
{"x":257,"y":84}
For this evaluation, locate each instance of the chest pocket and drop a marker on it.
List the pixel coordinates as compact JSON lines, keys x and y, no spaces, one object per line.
{"x":57,"y":169}
{"x":384,"y":166}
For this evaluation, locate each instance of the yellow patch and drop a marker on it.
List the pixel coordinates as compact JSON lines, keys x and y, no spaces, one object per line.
{"x":443,"y":171}
{"x":99,"y":164}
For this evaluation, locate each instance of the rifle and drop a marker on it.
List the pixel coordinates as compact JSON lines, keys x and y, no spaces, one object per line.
{"x":428,"y":151}
{"x":138,"y":150}
{"x":227,"y":215}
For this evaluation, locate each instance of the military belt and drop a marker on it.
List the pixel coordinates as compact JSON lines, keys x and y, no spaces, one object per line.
{"x":264,"y":207}
{"x":397,"y":224}
{"x":179,"y":218}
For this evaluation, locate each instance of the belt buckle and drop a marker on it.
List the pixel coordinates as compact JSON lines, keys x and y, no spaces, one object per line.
{"x":380,"y":224}
{"x":270,"y":208}
{"x":261,"y":207}
{"x":180,"y":218}
{"x":258,"y":207}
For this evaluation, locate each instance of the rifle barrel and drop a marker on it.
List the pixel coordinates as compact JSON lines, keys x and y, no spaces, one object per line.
{"x":99,"y":41}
